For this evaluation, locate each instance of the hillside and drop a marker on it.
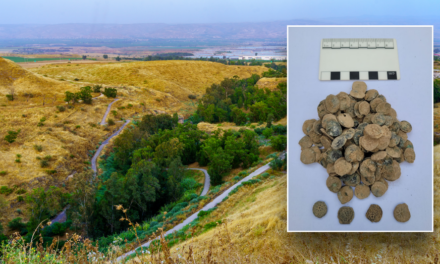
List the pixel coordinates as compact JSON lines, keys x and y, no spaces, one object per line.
{"x":12,"y":75}
{"x":68,"y":136}
{"x":253,"y":230}
{"x":175,"y":78}
{"x":270,"y":83}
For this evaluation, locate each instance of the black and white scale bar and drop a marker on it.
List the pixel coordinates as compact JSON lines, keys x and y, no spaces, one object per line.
{"x":356,"y":75}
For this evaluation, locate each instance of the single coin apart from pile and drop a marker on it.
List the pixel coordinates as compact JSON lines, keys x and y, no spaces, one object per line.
{"x":374,"y":213}
{"x":401,"y":213}
{"x":359,"y":140}
{"x":319,"y":209}
{"x":345,"y":215}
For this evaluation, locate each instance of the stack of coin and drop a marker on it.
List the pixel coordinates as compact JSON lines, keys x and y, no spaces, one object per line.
{"x":360,"y":142}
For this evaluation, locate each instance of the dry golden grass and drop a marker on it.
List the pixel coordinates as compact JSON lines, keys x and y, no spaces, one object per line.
{"x":255,"y":232}
{"x":270,"y":83}
{"x":12,"y":75}
{"x":176,"y":78}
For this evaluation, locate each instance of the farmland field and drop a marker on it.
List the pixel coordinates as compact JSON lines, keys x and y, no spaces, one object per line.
{"x":20,"y":59}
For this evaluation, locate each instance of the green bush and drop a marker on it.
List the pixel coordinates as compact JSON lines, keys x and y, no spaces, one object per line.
{"x":279,"y":142}
{"x":267,"y":133}
{"x":110,"y":92}
{"x":111,"y":122}
{"x":436,"y":90}
{"x":48,"y":157}
{"x":44,"y":164}
{"x":12,"y":136}
{"x":38,"y":148}
{"x":97,"y":88}
{"x":20,"y":191}
{"x":61,"y":108}
{"x":276,"y":164}
{"x":50,"y":172}
{"x":16,"y":224}
{"x":6,"y":190}
{"x":17,"y":160}
{"x":20,"y":198}
{"x":3,"y":173}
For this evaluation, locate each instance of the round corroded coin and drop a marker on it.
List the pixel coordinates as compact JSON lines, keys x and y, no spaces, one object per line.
{"x":401,"y":213}
{"x":374,"y":213}
{"x":319,"y":209}
{"x":362,"y":191}
{"x":345,"y":215}
{"x":334,"y":184}
{"x":345,"y":194}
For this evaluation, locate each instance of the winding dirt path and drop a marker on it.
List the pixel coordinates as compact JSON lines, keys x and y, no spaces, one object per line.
{"x":208,"y":206}
{"x":108,"y":111}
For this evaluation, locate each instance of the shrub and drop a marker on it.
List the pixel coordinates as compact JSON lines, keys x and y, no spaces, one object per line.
{"x":38,"y":148}
{"x":276,"y":164}
{"x":129,"y":106}
{"x":110,"y":92}
{"x":236,"y":178}
{"x":111,"y":122}
{"x":61,"y":108}
{"x":50,"y":172}
{"x":115,"y":113}
{"x":189,"y":184}
{"x":12,"y":136}
{"x":279,"y":142}
{"x":10,"y":97}
{"x":48,"y":157}
{"x":20,"y":191}
{"x":3,"y":173}
{"x":44,"y":164}
{"x":76,"y":79}
{"x":97,"y":88}
{"x":20,"y":198}
{"x":77,"y":126}
{"x":16,"y":224}
{"x":264,"y":175}
{"x":17,"y":160}
{"x":267,"y":133}
{"x":6,"y":190}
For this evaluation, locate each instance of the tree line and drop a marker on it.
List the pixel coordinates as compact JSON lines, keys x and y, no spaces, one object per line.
{"x":241,"y":101}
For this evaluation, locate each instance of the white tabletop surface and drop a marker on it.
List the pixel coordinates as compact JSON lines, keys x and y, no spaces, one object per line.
{"x":411,"y":97}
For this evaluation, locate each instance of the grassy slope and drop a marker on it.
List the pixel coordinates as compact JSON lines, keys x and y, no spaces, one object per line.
{"x":256,"y":233}
{"x":60,"y":136}
{"x":270,"y":83}
{"x":176,"y":78}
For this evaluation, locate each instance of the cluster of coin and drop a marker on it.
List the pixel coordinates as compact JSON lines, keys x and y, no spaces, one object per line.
{"x":374,"y":213}
{"x":360,"y":142}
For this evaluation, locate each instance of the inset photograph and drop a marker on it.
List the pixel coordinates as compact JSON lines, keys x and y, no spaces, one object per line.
{"x":360,"y":101}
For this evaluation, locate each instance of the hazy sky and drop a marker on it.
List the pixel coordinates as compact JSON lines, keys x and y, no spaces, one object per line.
{"x":203,"y":11}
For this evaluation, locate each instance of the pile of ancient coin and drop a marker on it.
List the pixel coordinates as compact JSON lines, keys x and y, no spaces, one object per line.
{"x":360,"y":142}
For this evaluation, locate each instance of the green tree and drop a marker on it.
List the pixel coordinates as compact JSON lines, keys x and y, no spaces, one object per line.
{"x":83,"y":199}
{"x":111,"y":196}
{"x":71,"y":97}
{"x":42,"y":205}
{"x":235,"y":147}
{"x":86,"y":94}
{"x":142,"y":185}
{"x":84,"y":57}
{"x":436,"y":90}
{"x":267,"y":133}
{"x":279,"y":142}
{"x":176,"y":172}
{"x":110,"y":92}
{"x":175,"y":118}
{"x":240,"y":102}
{"x":219,"y":166}
{"x":168,"y":151}
{"x":118,"y":58}
{"x":259,"y":111}
{"x":105,"y":56}
{"x":12,"y":136}
{"x":270,"y":119}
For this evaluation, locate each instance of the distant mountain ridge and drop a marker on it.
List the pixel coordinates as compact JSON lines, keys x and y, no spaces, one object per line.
{"x":275,"y":30}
